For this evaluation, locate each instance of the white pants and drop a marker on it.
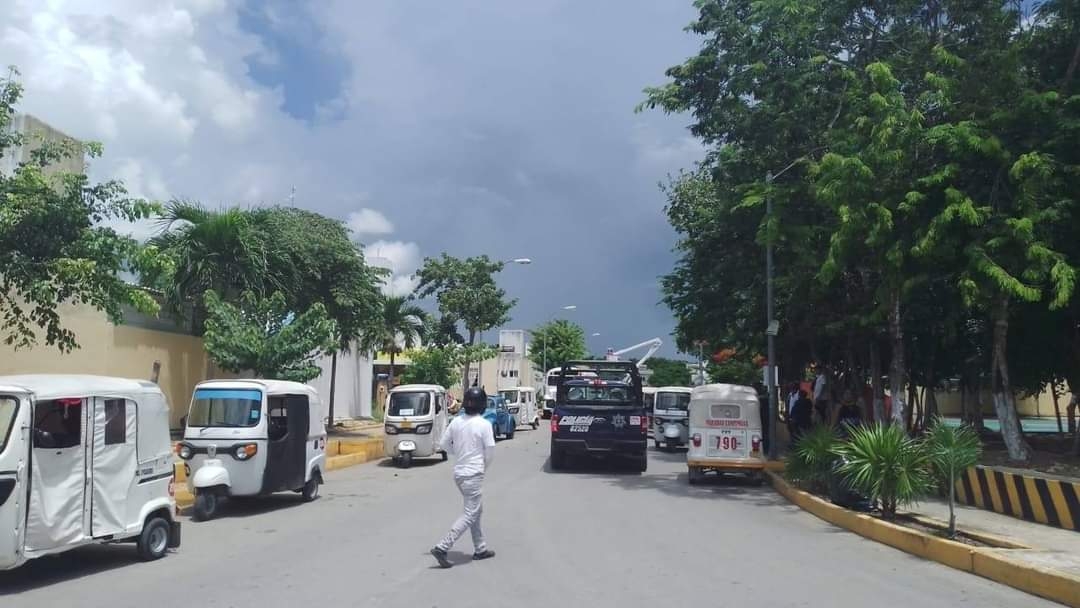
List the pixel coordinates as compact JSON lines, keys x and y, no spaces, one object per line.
{"x":471,"y":489}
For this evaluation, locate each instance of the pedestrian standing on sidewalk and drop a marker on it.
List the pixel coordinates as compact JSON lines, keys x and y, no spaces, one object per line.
{"x":470,"y":440}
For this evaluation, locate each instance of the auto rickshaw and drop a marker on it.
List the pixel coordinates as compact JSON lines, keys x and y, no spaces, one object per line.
{"x":725,"y":432}
{"x":415,"y":420}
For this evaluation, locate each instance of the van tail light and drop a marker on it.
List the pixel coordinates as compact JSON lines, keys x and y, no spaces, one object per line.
{"x":755,"y":443}
{"x":696,"y":439}
{"x":554,"y":423}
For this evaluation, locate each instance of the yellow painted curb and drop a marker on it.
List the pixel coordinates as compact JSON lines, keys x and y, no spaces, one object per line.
{"x":993,"y":564}
{"x":345,"y":454}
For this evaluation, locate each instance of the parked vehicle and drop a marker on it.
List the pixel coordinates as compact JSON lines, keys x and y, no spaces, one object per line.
{"x":649,"y":393}
{"x":416,"y":417}
{"x":599,"y":411}
{"x":521,"y":401}
{"x":671,"y":416}
{"x":252,"y":438}
{"x":84,"y":460}
{"x":725,"y":432}
{"x":498,"y":414}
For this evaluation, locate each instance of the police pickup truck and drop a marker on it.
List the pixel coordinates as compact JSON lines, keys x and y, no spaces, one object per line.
{"x":599,"y":411}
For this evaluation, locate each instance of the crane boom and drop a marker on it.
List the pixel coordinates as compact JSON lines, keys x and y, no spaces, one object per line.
{"x":653,"y":346}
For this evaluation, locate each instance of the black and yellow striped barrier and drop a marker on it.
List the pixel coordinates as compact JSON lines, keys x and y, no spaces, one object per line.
{"x":1053,"y":502}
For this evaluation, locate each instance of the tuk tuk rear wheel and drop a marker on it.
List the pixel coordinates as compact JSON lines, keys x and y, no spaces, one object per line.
{"x":311,"y":489}
{"x":206,"y":505}
{"x":153,"y":542}
{"x":695,"y":476}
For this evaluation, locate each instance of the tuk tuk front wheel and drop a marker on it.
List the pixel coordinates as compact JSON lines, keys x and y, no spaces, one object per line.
{"x":153,"y":542}
{"x":206,"y":505}
{"x":406,"y":460}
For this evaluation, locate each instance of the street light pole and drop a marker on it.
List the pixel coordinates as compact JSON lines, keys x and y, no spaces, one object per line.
{"x":480,"y":364}
{"x":770,"y":331}
{"x":546,"y":330}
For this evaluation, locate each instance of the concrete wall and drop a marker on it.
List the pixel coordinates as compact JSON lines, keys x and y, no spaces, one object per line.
{"x":1042,"y":405}
{"x":125,"y":350}
{"x":34,"y":132}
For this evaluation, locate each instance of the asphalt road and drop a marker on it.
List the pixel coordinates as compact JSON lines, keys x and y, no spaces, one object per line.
{"x":585,"y":538}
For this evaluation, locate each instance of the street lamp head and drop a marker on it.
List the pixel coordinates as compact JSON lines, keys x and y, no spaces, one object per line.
{"x":522,"y":261}
{"x":596,"y":335}
{"x":570,"y":307}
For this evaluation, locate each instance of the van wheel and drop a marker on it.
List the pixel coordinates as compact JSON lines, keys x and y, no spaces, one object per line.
{"x":311,"y":489}
{"x":153,"y":543}
{"x":206,"y":505}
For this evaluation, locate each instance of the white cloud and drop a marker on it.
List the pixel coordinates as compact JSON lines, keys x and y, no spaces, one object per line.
{"x":369,"y":222}
{"x":401,"y":258}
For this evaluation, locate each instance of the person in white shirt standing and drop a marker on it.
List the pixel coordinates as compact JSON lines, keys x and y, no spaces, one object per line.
{"x":471,"y":441}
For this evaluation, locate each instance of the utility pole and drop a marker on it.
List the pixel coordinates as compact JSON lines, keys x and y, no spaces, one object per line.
{"x":292,"y":197}
{"x":771,"y":324}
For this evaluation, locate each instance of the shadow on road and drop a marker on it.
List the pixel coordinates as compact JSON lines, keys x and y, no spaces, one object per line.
{"x":417,"y":463}
{"x":68,"y":566}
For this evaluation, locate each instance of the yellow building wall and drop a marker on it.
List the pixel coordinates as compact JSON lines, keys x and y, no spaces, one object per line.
{"x":125,"y":351}
{"x":1042,"y":405}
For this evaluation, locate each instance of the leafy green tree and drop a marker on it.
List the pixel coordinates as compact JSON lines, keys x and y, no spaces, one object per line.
{"x":561,"y":339}
{"x":466,"y":291}
{"x":668,"y":372}
{"x":56,"y":249}
{"x":431,"y":365}
{"x":442,"y":330}
{"x":262,"y":335}
{"x":401,"y":325}
{"x":952,"y":451}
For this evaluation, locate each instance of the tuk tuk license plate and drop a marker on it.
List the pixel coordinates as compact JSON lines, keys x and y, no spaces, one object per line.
{"x":405,"y":424}
{"x":726,"y":443}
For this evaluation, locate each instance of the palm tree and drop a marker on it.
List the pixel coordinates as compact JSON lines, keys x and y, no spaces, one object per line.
{"x":221,"y":250}
{"x":401,"y":327}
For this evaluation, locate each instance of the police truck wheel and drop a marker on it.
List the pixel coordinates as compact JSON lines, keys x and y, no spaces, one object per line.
{"x":153,"y":543}
{"x":642,"y":462}
{"x":311,"y":489}
{"x":206,"y":505}
{"x":558,"y":460}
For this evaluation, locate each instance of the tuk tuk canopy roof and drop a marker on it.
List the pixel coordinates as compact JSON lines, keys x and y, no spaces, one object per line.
{"x":405,"y":388}
{"x":723,"y":391}
{"x":673,"y":389}
{"x":270,"y":387}
{"x":58,"y":386}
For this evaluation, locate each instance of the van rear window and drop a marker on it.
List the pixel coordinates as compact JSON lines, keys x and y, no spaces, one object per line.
{"x":724,"y":411}
{"x":8,"y":407}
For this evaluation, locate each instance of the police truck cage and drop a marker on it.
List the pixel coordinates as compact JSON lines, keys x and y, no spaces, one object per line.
{"x":608,"y":381}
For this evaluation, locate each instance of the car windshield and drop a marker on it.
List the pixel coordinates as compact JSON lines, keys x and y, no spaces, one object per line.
{"x":509,"y":396}
{"x":607,"y":395}
{"x":494,"y":403}
{"x":8,"y":407}
{"x":225,"y":407}
{"x":673,"y":401}
{"x":409,"y":404}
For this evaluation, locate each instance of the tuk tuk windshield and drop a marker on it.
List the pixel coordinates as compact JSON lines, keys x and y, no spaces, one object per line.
{"x":673,"y":401}
{"x":225,"y":407}
{"x":8,"y":407}
{"x":409,"y":404}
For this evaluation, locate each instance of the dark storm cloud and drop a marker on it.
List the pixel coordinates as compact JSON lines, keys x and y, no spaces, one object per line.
{"x":507,"y":128}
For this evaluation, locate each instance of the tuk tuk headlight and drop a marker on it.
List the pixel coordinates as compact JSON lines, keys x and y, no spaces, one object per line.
{"x":246,"y":451}
{"x":391,"y":429}
{"x":184,"y":451}
{"x":423,"y":429}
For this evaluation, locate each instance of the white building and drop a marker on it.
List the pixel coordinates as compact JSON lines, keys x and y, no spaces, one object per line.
{"x":34,"y":132}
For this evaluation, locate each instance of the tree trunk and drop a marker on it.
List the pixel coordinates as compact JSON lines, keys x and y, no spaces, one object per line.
{"x":977,"y":418}
{"x":1004,"y":400}
{"x":964,"y":415}
{"x":390,"y":376}
{"x":897,"y":369}
{"x":877,"y":390}
{"x":952,"y":501}
{"x":333,"y":387}
{"x":467,"y":367}
{"x":912,"y":407}
{"x":930,"y":403}
{"x":1057,"y":405}
{"x":1071,"y":70}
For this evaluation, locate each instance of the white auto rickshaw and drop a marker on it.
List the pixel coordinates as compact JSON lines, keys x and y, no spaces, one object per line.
{"x":671,"y":427}
{"x":521,"y":403}
{"x":252,"y":438}
{"x":649,"y":394}
{"x":415,"y":420}
{"x":725,"y":432}
{"x":84,"y":460}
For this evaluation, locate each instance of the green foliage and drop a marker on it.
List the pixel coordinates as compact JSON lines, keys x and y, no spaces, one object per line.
{"x":885,"y":465}
{"x":952,"y":451}
{"x":466,"y":291}
{"x":56,"y":248}
{"x":736,"y":370}
{"x":431,"y":365}
{"x":563,"y":340}
{"x":263,"y":336}
{"x":811,"y":462}
{"x":668,"y":372}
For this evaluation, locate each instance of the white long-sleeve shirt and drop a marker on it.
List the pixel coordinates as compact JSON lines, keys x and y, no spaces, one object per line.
{"x":471,"y":441}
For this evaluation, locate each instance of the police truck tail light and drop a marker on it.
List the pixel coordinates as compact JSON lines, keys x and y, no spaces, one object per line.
{"x":697,"y":440}
{"x":755,"y":443}
{"x":554,"y":423}
{"x":644,"y":424}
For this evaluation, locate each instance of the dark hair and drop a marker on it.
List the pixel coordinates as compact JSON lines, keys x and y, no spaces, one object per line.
{"x":475,"y":401}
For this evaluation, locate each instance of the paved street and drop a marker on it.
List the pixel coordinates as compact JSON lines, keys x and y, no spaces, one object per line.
{"x":563,"y":540}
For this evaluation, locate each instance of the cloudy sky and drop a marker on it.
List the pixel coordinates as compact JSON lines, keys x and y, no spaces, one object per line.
{"x":466,"y":126}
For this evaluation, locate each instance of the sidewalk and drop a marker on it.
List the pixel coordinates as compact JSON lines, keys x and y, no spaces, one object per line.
{"x":1050,"y":547}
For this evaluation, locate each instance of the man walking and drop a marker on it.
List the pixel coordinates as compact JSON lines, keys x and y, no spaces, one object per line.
{"x":470,"y":440}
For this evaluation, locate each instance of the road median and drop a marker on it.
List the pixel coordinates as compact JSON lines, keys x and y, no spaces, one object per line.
{"x":999,"y":563}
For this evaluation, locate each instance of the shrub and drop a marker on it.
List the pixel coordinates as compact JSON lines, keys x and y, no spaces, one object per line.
{"x":882,"y":463}
{"x":951,"y":450}
{"x":812,"y":460}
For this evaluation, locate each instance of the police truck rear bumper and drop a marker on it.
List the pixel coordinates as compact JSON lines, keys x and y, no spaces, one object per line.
{"x":600,"y":446}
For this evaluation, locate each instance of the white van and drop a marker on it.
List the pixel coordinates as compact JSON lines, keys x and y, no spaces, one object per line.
{"x":84,"y":460}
